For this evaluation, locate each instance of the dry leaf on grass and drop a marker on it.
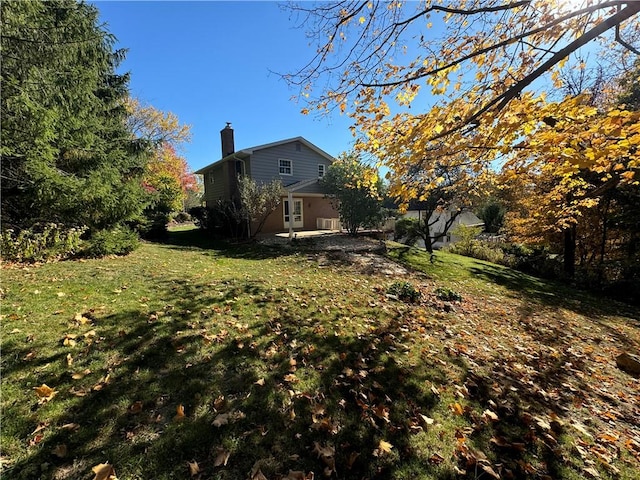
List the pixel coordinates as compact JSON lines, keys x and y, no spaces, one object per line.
{"x":61,"y":451}
{"x":179,"y":413}
{"x":44,"y":392}
{"x":222,"y":457}
{"x":194,"y":468}
{"x":104,"y":471}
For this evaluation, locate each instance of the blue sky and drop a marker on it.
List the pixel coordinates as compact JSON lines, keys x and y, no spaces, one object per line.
{"x":211,"y":62}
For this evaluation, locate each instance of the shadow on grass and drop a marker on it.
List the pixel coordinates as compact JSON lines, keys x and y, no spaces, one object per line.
{"x":199,"y":239}
{"x":271,"y":393}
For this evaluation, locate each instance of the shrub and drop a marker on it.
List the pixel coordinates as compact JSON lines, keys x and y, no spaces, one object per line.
{"x":119,"y":241}
{"x":182,"y":217}
{"x":41,"y":242}
{"x":200,"y":216}
{"x":406,"y":228}
{"x":153,"y":225}
{"x":224,"y":218}
{"x":404,"y":291}
{"x":466,"y":242}
{"x":448,"y":295}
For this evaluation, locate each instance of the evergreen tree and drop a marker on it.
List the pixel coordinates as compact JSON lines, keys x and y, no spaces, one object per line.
{"x":67,"y":155}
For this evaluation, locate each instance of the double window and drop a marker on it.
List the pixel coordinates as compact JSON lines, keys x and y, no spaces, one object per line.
{"x":285,"y":167}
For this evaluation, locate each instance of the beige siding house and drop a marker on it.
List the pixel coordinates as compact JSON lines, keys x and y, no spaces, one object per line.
{"x":296,"y":162}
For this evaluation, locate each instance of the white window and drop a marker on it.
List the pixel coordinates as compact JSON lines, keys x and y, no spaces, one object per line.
{"x":322,"y":169}
{"x":285,"y":167}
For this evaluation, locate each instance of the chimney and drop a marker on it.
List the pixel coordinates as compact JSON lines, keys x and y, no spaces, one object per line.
{"x":226,"y":135}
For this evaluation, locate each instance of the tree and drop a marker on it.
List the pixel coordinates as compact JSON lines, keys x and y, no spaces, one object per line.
{"x":258,"y":201}
{"x":444,"y":197}
{"x":569,"y":207}
{"x":357,"y":191}
{"x":167,"y":177}
{"x":480,"y":59}
{"x":66,"y":153}
{"x":166,"y":172}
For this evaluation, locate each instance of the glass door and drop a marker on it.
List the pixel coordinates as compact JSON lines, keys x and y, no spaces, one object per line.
{"x":296,"y":212}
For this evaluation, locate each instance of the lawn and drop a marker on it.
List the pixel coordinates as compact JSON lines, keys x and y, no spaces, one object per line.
{"x":193,"y":359}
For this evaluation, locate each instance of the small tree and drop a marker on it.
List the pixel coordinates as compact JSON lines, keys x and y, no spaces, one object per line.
{"x":258,"y":201}
{"x":356,"y":191}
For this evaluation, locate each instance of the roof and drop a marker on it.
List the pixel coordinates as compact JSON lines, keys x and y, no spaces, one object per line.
{"x":246,"y":152}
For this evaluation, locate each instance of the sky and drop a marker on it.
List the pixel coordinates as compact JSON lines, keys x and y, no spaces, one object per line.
{"x":212,"y":62}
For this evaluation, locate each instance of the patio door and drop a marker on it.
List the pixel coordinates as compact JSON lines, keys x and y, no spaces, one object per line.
{"x":296,"y":211}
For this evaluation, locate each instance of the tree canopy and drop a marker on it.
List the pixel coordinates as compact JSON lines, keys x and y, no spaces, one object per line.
{"x":67,"y":155}
{"x":481,"y":64}
{"x":357,"y":190}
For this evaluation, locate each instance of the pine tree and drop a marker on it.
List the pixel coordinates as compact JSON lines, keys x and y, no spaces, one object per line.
{"x":67,"y":155}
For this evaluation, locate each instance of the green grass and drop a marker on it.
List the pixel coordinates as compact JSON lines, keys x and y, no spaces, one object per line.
{"x":276,"y":357}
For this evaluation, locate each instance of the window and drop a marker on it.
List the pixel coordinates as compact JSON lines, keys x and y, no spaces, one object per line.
{"x":321,"y":170}
{"x":212,"y":178}
{"x":285,"y":167}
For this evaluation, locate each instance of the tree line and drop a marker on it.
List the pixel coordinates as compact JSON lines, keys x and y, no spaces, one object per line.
{"x":76,"y":150}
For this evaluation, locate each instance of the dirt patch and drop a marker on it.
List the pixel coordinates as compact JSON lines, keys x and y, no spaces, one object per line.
{"x":369,"y":263}
{"x":364,"y":253}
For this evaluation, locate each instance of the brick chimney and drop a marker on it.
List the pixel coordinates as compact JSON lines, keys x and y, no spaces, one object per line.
{"x":226,"y":135}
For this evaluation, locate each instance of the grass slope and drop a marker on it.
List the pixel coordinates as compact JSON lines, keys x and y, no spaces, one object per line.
{"x":195,"y":360}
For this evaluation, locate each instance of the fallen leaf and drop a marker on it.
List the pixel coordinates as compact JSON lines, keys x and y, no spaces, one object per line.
{"x":456,"y":408}
{"x":259,"y":382}
{"x":382,"y":412}
{"x":81,"y":319}
{"x":221,"y":419}
{"x":194,"y":469}
{"x":222,"y":457}
{"x":104,"y":471}
{"x":29,"y":356}
{"x":44,"y":392}
{"x":80,"y":375}
{"x":61,"y":451}
{"x":136,"y":407}
{"x":592,"y":472}
{"x":41,"y":426}
{"x":70,"y":426}
{"x":256,"y":473}
{"x":426,"y":420}
{"x":179,"y":413}
{"x":488,"y":414}
{"x":321,"y":451}
{"x":490,"y":471}
{"x":298,"y":475}
{"x":384,"y":447}
{"x":436,"y":459}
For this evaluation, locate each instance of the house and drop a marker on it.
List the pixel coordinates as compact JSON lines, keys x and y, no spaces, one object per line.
{"x":298,"y":163}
